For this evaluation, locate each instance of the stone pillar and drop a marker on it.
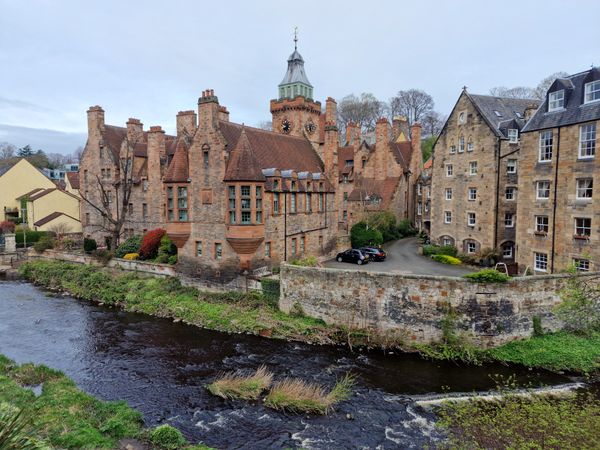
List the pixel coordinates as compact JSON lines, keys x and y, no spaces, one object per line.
{"x":10,"y":243}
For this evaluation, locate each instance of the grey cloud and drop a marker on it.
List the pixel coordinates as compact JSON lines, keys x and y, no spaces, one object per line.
{"x":48,"y":140}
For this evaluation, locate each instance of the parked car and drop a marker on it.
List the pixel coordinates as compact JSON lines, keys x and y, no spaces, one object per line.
{"x":353,"y":255}
{"x":375,"y":254}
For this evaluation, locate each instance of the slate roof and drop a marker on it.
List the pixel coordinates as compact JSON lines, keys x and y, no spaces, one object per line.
{"x":295,"y":71}
{"x":51,"y":217}
{"x":507,"y":108}
{"x":575,"y":111}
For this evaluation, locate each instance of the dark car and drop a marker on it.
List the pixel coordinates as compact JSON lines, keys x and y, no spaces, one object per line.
{"x":375,"y":254}
{"x":354,"y":256}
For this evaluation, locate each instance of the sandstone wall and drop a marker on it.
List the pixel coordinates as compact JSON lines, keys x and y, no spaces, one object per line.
{"x":491,"y":314}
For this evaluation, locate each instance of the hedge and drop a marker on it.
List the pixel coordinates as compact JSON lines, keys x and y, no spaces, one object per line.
{"x":270,"y":288}
{"x":446,"y":259}
{"x":32,"y":237}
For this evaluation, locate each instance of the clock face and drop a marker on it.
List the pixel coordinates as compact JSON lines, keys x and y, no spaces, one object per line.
{"x":310,"y":127}
{"x":286,"y":126}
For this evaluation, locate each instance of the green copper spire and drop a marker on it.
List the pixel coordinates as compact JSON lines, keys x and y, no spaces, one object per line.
{"x":295,"y":82}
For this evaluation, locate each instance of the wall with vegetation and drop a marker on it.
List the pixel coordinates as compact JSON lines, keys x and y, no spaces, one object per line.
{"x":416,"y":307}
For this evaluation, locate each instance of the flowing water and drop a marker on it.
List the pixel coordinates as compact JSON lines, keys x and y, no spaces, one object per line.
{"x":160,"y":368}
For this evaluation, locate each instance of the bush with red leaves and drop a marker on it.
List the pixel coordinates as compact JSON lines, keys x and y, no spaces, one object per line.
{"x":7,"y":227}
{"x":150,"y":243}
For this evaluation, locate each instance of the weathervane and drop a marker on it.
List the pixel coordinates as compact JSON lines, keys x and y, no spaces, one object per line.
{"x":295,"y":38}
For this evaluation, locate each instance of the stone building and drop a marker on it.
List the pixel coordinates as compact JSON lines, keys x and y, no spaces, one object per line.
{"x":558,"y":209}
{"x":423,"y":199}
{"x":475,"y":175}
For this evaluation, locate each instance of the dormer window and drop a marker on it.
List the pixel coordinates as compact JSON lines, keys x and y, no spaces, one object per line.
{"x":513,"y":135}
{"x":498,"y":113}
{"x":556,"y":100}
{"x":592,"y":92}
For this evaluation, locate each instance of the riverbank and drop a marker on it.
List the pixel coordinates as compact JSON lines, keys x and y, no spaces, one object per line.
{"x":55,"y":413}
{"x":252,"y":313}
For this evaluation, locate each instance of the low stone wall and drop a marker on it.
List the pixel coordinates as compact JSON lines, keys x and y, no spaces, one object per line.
{"x":414,"y":306}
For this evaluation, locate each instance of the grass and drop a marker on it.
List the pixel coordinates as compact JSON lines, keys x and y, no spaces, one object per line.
{"x":240,"y":386}
{"x":534,"y":422}
{"x":554,"y":351}
{"x":165,"y":297}
{"x":299,"y":396}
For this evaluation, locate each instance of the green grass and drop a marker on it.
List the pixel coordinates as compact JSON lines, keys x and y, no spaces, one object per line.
{"x":166,"y":297}
{"x":555,"y":351}
{"x":535,"y":422}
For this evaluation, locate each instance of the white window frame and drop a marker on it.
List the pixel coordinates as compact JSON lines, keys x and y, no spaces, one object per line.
{"x":473,"y":168}
{"x":582,"y":187}
{"x":419,"y":209}
{"x":510,"y":193}
{"x":541,"y":227}
{"x":449,"y":170}
{"x":446,"y":242}
{"x":507,"y":254}
{"x":513,"y":135}
{"x":471,"y":219}
{"x":587,"y":141}
{"x":537,"y":190}
{"x":452,"y":149}
{"x":448,"y":194}
{"x":447,"y":216}
{"x":511,"y":166}
{"x":472,"y":197}
{"x":540,"y":262}
{"x":470,"y":146}
{"x":581,"y":264}
{"x":471,"y":247}
{"x":509,"y":220}
{"x":545,"y":149}
{"x":592,"y":92}
{"x":461,"y":144}
{"x":556,"y":100}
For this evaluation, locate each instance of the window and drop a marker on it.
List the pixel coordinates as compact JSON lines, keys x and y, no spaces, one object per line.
{"x":267,"y":249}
{"x":218,"y":250}
{"x":419,"y":209}
{"x":587,"y":140}
{"x":471,"y":219}
{"x":461,"y":117}
{"x":293,"y":202}
{"x":130,"y":209}
{"x":541,"y":224}
{"x":470,"y":146}
{"x":144,"y":210}
{"x":556,"y":100}
{"x":448,"y":193}
{"x":511,"y":166}
{"x":109,"y":196}
{"x":585,"y":188}
{"x":473,"y":168}
{"x":446,"y":242}
{"x":309,"y":201}
{"x":321,"y":202}
{"x":582,"y":265}
{"x":276,"y":203}
{"x":541,"y":262}
{"x":449,"y":170}
{"x":471,"y":247}
{"x":294,"y":246}
{"x":345,"y":215}
{"x":428,"y":192}
{"x":145,"y":185}
{"x":258,"y":204}
{"x":205,"y":158}
{"x":170,"y":204}
{"x":511,"y":193}
{"x":546,"y":146}
{"x":583,"y":226}
{"x":452,"y":149}
{"x":513,"y":135}
{"x":509,"y":220}
{"x":461,"y":144}
{"x":182,"y":203}
{"x":472,"y":194}
{"x":293,"y":186}
{"x":542,"y":190}
{"x":198,"y":248}
{"x":592,"y":91}
{"x":426,"y":206}
{"x":87,"y":218}
{"x":419,"y":191}
{"x":321,"y":242}
{"x":447,"y":216}
{"x":245,"y":205}
{"x":302,"y":244}
{"x":507,"y":251}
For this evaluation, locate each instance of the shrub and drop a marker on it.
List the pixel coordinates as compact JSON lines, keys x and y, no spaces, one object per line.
{"x":237,"y":385}
{"x":361,"y":236}
{"x":537,"y":326}
{"x":131,"y":245}
{"x":446,"y":259}
{"x":16,"y":429}
{"x":31,"y":237}
{"x":162,"y":259}
{"x":431,"y":249}
{"x":487,"y":276}
{"x":405,"y":228}
{"x":150,"y":243}
{"x":168,"y":437}
{"x":172,"y":259}
{"x":468,"y":259}
{"x":102,"y":255}
{"x":131,"y":256}
{"x":89,"y":245}
{"x":580,"y":308}
{"x":310,"y":261}
{"x":385,"y":223}
{"x":7,"y":227}
{"x":270,"y":288}
{"x":68,"y":244}
{"x":43,"y":244}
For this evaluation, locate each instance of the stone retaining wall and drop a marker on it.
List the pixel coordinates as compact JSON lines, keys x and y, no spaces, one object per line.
{"x":414,"y":306}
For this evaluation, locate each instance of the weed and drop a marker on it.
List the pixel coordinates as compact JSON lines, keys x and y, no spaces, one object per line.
{"x":237,"y":385}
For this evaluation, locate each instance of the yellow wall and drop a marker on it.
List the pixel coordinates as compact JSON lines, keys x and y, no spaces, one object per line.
{"x":22,"y":178}
{"x":54,"y":201}
{"x":73,"y":225}
{"x":70,"y":188}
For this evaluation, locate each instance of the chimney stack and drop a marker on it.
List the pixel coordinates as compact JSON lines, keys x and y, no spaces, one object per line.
{"x":156,"y":152}
{"x":135,"y":130}
{"x":352,"y":134}
{"x":95,"y":116}
{"x":400,"y":125}
{"x":330,"y":111}
{"x":223,"y":114}
{"x":186,"y":120}
{"x":382,"y":131}
{"x":208,"y":109}
{"x":529,"y":111}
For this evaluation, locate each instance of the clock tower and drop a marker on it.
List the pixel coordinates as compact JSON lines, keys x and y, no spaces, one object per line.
{"x":295,"y":112}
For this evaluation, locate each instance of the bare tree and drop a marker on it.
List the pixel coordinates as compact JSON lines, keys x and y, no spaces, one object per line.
{"x":515,"y":92}
{"x":115,"y":193}
{"x":7,"y":150}
{"x":540,"y":91}
{"x":76,"y":157}
{"x":266,"y":125}
{"x":363,"y":111}
{"x":413,"y":104}
{"x":432,"y":123}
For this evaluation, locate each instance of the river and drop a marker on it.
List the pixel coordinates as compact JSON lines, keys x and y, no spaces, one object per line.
{"x":160,"y":368}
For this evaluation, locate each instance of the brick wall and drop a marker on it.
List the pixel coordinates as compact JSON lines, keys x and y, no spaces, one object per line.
{"x":414,"y":305}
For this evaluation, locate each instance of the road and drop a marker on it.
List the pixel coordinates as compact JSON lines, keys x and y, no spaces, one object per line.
{"x":402,"y":257}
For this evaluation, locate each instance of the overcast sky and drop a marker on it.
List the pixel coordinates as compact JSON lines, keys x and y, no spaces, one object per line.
{"x":151,"y":59}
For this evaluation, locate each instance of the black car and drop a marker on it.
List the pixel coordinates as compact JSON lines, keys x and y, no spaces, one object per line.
{"x":375,"y":254}
{"x":354,"y":256}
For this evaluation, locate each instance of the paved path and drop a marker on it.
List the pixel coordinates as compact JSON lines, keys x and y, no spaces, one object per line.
{"x":402,"y":257}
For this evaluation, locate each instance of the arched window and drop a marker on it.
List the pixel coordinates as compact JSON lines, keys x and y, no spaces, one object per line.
{"x":446,"y":240}
{"x":471,"y":246}
{"x":470,"y":145}
{"x":461,"y":144}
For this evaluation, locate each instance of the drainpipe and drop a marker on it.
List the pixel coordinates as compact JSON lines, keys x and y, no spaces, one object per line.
{"x":554,"y":200}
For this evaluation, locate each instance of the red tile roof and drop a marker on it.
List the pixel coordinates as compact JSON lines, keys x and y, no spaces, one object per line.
{"x":428,"y":164}
{"x":51,"y":217}
{"x":402,"y":152}
{"x":382,"y":189}
{"x":242,"y":165}
{"x":178,"y":171}
{"x":73,"y":178}
{"x":113,"y":136}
